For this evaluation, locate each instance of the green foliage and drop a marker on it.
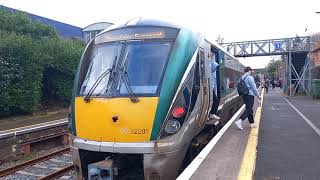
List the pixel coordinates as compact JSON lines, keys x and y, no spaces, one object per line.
{"x":20,"y":23}
{"x":35,"y":64}
{"x":61,"y":66}
{"x":24,"y":68}
{"x":272,"y":67}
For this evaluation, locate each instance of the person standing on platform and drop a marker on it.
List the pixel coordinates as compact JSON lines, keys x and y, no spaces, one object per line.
{"x":216,"y":101}
{"x":266,"y":85}
{"x":273,"y":84}
{"x":248,"y":98}
{"x":280,"y":84}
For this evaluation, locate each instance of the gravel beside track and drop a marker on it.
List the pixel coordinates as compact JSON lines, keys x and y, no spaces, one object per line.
{"x":43,"y":168}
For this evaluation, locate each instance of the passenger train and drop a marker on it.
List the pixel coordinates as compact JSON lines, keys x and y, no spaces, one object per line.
{"x":142,"y":97}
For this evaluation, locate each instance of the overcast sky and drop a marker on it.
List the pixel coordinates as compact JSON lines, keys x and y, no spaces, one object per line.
{"x":234,"y":20}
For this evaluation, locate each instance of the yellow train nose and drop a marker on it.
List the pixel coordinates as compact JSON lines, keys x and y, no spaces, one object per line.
{"x":116,"y":119}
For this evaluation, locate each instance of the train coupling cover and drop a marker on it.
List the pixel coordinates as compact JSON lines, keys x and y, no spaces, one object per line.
{"x":102,"y":170}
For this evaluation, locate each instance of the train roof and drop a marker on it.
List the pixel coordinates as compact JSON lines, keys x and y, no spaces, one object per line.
{"x":143,"y":22}
{"x":151,"y":22}
{"x":158,"y":23}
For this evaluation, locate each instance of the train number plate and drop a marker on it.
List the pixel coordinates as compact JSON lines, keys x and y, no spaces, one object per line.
{"x":134,"y":131}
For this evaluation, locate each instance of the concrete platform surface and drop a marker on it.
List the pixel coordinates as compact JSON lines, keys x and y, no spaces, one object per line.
{"x":12,"y":123}
{"x":288,"y":145}
{"x":285,"y":146}
{"x":225,"y":159}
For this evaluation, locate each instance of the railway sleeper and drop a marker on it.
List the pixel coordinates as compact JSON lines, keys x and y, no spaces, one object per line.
{"x":26,"y":144}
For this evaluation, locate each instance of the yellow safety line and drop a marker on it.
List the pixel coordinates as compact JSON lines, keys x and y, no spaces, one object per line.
{"x":249,"y":158}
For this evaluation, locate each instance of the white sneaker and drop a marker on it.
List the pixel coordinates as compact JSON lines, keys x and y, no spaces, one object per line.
{"x":217,"y":117}
{"x":239,"y":124}
{"x":213,"y":116}
{"x":253,"y":125}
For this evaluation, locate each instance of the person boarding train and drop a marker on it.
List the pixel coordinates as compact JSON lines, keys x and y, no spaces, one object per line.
{"x":247,"y":89}
{"x":216,"y":101}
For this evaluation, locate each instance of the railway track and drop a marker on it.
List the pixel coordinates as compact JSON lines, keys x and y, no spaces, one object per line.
{"x":52,"y":166}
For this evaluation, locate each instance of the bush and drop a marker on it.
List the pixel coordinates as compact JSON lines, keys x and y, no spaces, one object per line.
{"x":22,"y":73}
{"x":35,"y":63}
{"x":60,"y":68}
{"x":20,"y":23}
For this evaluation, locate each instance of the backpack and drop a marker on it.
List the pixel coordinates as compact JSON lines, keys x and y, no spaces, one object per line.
{"x":242,"y":87}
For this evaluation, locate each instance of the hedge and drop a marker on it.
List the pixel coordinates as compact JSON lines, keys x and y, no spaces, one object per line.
{"x":35,"y":64}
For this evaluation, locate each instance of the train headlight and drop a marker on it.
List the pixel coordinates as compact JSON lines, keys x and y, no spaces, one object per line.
{"x":178,"y":112}
{"x":172,"y":126}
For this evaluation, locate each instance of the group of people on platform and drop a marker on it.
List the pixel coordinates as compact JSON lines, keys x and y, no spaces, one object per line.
{"x":271,"y":83}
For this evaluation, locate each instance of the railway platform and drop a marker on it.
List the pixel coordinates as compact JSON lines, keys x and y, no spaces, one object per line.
{"x":11,"y":123}
{"x":18,"y":134}
{"x":284,"y":145}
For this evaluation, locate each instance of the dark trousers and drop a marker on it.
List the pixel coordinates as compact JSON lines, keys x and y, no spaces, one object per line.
{"x":267,"y":88}
{"x":248,"y":113}
{"x":215,"y":104}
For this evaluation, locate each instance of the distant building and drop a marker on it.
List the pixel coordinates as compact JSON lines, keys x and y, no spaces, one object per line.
{"x":315,"y":63}
{"x":64,"y":30}
{"x":92,"y":30}
{"x":260,"y":71}
{"x":315,"y":56}
{"x":281,"y":71}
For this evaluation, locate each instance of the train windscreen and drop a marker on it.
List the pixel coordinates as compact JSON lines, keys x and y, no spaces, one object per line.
{"x":102,"y":58}
{"x":144,"y":64}
{"x":136,"y":57}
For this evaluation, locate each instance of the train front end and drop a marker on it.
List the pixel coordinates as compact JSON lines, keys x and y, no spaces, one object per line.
{"x":124,"y":109}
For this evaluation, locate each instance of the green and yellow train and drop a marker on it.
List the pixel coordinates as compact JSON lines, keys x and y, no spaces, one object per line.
{"x":142,"y":94}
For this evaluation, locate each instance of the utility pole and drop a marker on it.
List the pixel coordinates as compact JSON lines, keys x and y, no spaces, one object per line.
{"x":220,"y":39}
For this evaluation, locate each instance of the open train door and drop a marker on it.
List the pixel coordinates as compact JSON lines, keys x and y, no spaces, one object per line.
{"x":204,"y":87}
{"x":215,"y":53}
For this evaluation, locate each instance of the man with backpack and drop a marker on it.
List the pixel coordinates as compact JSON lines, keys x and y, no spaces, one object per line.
{"x":247,"y":90}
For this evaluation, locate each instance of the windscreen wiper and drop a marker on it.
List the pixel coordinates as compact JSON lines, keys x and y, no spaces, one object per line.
{"x":104,"y":74}
{"x":127,"y":83}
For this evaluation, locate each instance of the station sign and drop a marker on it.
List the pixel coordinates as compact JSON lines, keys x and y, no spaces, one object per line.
{"x":278,"y":45}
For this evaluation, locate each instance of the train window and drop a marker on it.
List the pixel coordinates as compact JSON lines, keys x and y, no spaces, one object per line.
{"x":102,"y":58}
{"x":201,"y":57}
{"x":196,"y":85}
{"x":145,"y":63}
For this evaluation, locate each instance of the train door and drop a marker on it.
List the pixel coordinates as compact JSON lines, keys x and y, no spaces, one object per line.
{"x":216,"y":54}
{"x":205,"y":88}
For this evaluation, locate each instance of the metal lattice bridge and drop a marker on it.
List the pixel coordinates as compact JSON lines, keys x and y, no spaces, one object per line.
{"x":294,"y":52}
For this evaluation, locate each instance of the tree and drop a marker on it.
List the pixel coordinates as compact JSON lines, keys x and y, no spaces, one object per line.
{"x":272,"y":67}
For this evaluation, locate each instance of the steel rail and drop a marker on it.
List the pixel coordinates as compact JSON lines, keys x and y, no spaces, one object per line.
{"x":23,"y":165}
{"x":58,"y":173}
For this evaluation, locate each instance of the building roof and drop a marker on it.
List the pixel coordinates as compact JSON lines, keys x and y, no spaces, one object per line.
{"x":97,"y":26}
{"x":65,"y":30}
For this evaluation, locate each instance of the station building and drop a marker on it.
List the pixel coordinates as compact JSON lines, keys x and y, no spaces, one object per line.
{"x":90,"y":31}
